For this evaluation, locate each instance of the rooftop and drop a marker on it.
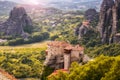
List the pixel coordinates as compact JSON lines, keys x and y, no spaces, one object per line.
{"x":77,"y":48}
{"x":58,"y":44}
{"x":66,"y":45}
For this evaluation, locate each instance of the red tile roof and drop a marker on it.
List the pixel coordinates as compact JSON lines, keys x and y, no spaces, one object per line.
{"x":69,"y":47}
{"x":58,"y":44}
{"x":66,"y":45}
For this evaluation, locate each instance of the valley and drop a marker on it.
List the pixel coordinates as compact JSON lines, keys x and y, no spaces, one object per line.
{"x":60,"y":39}
{"x":32,"y":45}
{"x":18,"y":60}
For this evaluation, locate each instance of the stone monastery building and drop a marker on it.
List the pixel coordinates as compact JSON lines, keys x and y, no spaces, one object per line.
{"x":60,"y":55}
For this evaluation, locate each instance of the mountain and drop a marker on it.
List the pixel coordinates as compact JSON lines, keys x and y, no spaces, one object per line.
{"x":6,"y":6}
{"x":76,"y":4}
{"x":60,"y":4}
{"x":17,"y":23}
{"x":34,"y":11}
{"x":109,"y":23}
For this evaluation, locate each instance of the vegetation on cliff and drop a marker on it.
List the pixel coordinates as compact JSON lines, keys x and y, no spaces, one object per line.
{"x":28,"y":62}
{"x":101,"y":68}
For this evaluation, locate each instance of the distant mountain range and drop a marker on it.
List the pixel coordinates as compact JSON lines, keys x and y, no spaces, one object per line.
{"x":6,"y":6}
{"x":76,"y":4}
{"x":48,"y":1}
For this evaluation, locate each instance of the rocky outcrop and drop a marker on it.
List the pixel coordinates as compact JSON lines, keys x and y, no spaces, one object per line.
{"x":84,"y":29}
{"x":16,"y":22}
{"x":106,"y":20}
{"x":91,"y":15}
{"x":109,"y":20}
{"x":117,"y":38}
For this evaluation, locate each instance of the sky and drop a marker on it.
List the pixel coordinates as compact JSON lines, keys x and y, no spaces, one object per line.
{"x":34,"y":1}
{"x":40,"y":1}
{"x":29,"y":1}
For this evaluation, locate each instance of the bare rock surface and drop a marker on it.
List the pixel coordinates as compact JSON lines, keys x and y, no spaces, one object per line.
{"x":109,"y":24}
{"x":16,"y":22}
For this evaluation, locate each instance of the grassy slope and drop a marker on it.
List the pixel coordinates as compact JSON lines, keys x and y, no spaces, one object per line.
{"x":33,"y":45}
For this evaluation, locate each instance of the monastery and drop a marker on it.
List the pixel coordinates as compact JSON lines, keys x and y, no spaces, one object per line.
{"x":60,"y":55}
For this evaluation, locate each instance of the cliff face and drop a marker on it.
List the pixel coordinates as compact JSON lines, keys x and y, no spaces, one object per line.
{"x":16,"y":22}
{"x":84,"y":29}
{"x":109,"y":20}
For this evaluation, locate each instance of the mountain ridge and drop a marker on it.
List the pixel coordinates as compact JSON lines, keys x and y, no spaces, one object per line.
{"x":63,"y":5}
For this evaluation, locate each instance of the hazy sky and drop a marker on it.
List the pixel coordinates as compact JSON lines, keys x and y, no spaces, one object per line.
{"x":34,"y":1}
{"x":40,"y":1}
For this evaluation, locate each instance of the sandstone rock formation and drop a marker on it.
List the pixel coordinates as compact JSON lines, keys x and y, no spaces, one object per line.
{"x":91,"y":15}
{"x":83,"y":29}
{"x":109,"y":24}
{"x":16,"y":22}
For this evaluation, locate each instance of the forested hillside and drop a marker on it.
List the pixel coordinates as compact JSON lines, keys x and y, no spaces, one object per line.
{"x":23,"y":62}
{"x":26,"y":29}
{"x":101,"y":68}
